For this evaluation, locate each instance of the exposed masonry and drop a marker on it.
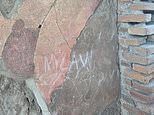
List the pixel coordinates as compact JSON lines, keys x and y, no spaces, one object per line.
{"x":136,"y":51}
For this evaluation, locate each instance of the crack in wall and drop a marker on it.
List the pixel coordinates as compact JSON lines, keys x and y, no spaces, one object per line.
{"x":46,"y":16}
{"x":61,"y":30}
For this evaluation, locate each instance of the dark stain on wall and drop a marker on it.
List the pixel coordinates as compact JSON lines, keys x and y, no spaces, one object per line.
{"x":18,"y":52}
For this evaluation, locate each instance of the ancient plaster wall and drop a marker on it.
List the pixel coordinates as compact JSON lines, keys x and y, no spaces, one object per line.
{"x":72,"y":58}
{"x":92,"y":81}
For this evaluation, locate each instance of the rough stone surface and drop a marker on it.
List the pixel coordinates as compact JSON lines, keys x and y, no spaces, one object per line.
{"x":137,"y":85}
{"x":92,"y":82}
{"x":9,"y":7}
{"x":113,"y":109}
{"x":76,"y":56}
{"x":16,"y":99}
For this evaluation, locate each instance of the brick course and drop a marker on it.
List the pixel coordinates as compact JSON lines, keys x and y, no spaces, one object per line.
{"x":145,"y":60}
{"x":141,"y":30}
{"x":143,"y":50}
{"x":137,"y":62}
{"x":131,"y":41}
{"x":138,"y":76}
{"x":133,"y":17}
{"x":148,"y":69}
{"x":132,"y":110}
{"x":147,"y":99}
{"x":142,"y":6}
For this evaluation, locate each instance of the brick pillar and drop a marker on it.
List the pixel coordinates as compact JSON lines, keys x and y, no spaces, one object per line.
{"x":136,"y":52}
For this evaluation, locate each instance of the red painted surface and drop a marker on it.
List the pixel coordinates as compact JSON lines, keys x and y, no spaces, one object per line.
{"x":53,"y":69}
{"x":52,"y":64}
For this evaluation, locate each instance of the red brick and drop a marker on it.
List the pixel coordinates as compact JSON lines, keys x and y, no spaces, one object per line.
{"x":145,"y":88}
{"x":142,"y":6}
{"x":137,"y":76}
{"x":132,"y":110}
{"x":141,"y":30}
{"x":133,"y":58}
{"x":135,"y":18}
{"x":143,"y":50}
{"x":125,"y":0}
{"x":131,"y":41}
{"x":148,"y":69}
{"x":147,"y":99}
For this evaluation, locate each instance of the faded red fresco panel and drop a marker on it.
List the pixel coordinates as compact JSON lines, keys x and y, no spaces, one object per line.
{"x":63,"y":26}
{"x":52,"y":69}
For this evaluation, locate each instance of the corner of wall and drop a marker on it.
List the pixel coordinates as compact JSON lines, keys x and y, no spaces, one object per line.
{"x":136,"y":54}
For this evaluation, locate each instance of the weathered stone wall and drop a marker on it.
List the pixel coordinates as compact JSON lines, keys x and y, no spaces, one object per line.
{"x":75,"y":57}
{"x":136,"y":31}
{"x":16,"y":98}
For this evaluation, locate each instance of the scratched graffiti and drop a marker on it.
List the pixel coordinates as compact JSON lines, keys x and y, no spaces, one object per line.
{"x":73,"y":58}
{"x":52,"y":63}
{"x":57,"y":37}
{"x":53,"y":69}
{"x":82,"y":61}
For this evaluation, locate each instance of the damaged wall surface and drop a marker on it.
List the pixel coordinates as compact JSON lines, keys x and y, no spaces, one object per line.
{"x":59,"y":57}
{"x":92,"y":82}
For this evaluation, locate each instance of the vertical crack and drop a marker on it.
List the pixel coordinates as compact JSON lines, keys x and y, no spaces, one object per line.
{"x":46,"y":16}
{"x":60,"y":29}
